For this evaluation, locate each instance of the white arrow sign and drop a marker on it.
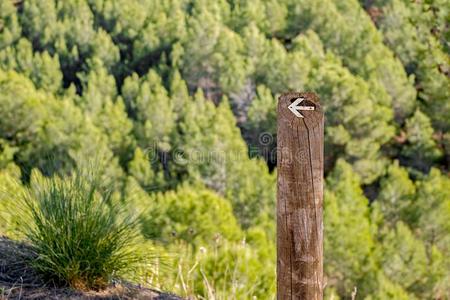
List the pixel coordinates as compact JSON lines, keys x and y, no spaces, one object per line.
{"x":295,"y":107}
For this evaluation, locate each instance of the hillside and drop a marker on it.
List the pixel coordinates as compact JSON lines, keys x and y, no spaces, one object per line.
{"x":172,"y":104}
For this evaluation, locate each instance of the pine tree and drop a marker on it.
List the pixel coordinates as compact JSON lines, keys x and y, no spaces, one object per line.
{"x":406,"y":27}
{"x":51,"y":134}
{"x":397,"y":195}
{"x":356,"y":122}
{"x":421,"y":150}
{"x":67,"y":29}
{"x":216,"y":154}
{"x":148,"y":103}
{"x":353,"y":38}
{"x":212,"y":58}
{"x":406,"y":263}
{"x":175,"y":101}
{"x":101,"y":103}
{"x":9,"y":24}
{"x":349,"y":244}
{"x":179,"y":94}
{"x":433,"y":207}
{"x":140,"y":168}
{"x":42,"y":68}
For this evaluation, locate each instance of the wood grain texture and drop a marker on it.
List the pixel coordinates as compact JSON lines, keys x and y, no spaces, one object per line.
{"x":300,"y":200}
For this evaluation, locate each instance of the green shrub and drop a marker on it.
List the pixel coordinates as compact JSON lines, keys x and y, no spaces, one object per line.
{"x":81,"y":237}
{"x":193,"y":214}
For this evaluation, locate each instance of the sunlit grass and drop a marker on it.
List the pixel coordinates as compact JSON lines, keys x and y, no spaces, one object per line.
{"x":81,"y":237}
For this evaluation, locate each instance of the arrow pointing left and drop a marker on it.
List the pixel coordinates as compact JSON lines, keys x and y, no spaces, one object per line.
{"x":295,"y":107}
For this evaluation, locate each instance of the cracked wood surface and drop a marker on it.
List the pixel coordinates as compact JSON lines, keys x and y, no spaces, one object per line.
{"x":300,"y":200}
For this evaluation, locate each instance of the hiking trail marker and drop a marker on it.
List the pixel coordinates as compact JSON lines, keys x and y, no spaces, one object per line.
{"x":300,"y":197}
{"x":295,"y":107}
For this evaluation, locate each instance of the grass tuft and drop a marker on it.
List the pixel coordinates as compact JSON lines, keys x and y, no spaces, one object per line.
{"x":80,"y":237}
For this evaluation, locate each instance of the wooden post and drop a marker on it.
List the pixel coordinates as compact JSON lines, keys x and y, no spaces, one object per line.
{"x":300,"y":197}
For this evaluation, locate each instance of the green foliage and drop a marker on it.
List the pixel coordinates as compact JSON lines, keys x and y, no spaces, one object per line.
{"x":397,"y":195}
{"x":262,"y":112}
{"x":349,"y":247}
{"x":51,"y":134}
{"x":141,"y":169}
{"x":149,"y":104}
{"x":214,"y":153}
{"x":358,"y":44}
{"x":101,"y":103}
{"x":176,"y":100}
{"x":9,"y":26}
{"x":406,"y":263}
{"x":388,"y":290}
{"x":79,"y":234}
{"x":66,"y":28}
{"x":221,"y":269}
{"x":10,"y":187}
{"x":433,"y":207}
{"x":421,"y":149}
{"x":194,"y":215}
{"x":42,"y":68}
{"x":212,"y":57}
{"x":240,"y":269}
{"x":406,"y":28}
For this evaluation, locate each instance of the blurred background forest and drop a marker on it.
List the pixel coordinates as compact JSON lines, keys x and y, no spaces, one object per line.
{"x":176,"y":102}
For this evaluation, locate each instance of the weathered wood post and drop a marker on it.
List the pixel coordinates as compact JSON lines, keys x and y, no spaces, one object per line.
{"x":300,"y":197}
